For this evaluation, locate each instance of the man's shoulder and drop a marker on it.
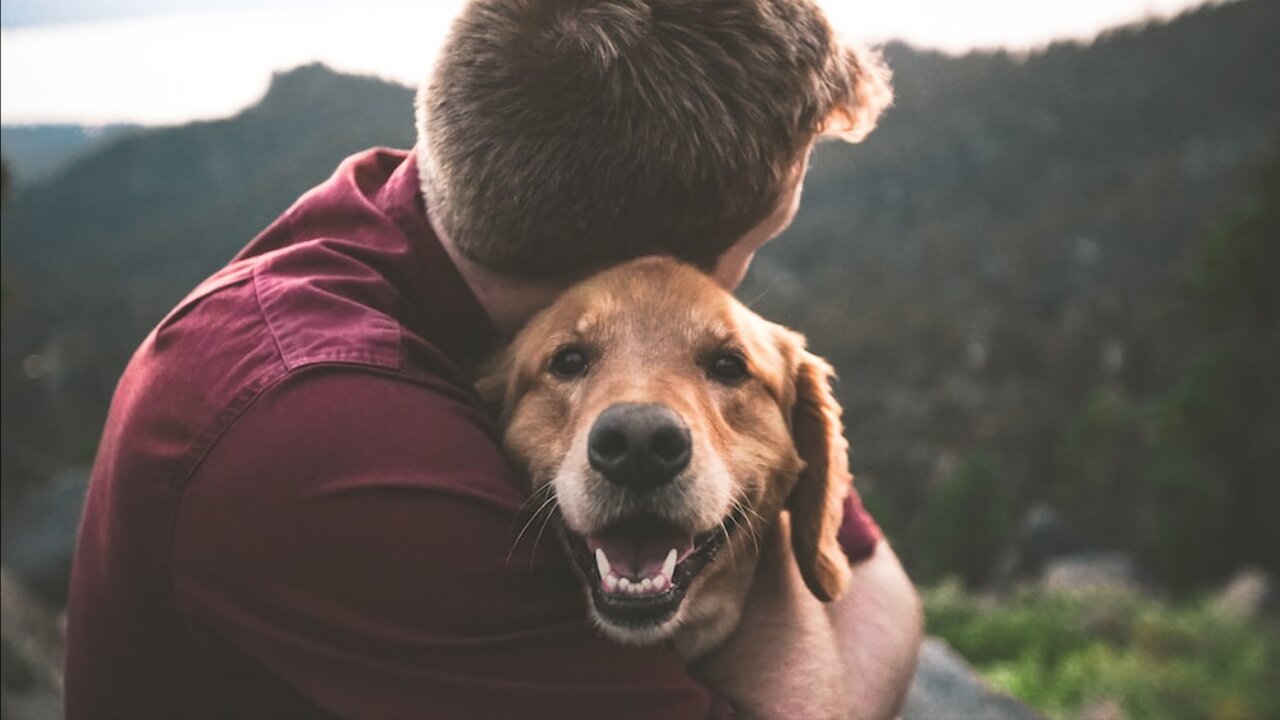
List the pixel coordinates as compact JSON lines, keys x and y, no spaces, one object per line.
{"x":249,"y":330}
{"x":349,"y":277}
{"x":250,"y":325}
{"x":365,"y":430}
{"x":353,"y":274}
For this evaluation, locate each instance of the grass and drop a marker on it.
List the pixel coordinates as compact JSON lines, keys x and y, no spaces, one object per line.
{"x":1150,"y":658}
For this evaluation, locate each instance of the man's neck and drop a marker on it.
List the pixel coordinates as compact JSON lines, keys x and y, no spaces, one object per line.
{"x":508,"y":301}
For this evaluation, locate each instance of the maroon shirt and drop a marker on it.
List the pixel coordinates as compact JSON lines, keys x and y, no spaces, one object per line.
{"x":299,"y":506}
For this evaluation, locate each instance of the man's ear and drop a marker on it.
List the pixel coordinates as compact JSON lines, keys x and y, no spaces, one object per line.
{"x":817,"y":502}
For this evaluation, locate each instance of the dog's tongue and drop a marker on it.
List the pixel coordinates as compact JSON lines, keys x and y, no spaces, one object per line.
{"x":638,"y":547}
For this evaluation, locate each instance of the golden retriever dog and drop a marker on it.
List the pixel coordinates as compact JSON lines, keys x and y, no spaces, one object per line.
{"x":667,"y":427}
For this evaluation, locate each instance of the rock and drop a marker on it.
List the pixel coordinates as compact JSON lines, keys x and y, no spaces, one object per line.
{"x":1091,"y":573}
{"x":1043,"y":537}
{"x":947,"y":688}
{"x":1246,"y":596}
{"x":31,"y":674}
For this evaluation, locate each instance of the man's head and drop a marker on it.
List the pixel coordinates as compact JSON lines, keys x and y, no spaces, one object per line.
{"x":561,"y":136}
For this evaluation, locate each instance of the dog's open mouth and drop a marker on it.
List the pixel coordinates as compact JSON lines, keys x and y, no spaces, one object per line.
{"x":639,"y":568}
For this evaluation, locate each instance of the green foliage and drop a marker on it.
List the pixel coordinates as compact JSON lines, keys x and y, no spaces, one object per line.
{"x":968,"y":521}
{"x":1191,"y":489}
{"x":1216,"y":433}
{"x":1237,"y":269}
{"x":1187,"y":477}
{"x":1090,"y":474}
{"x":1156,"y":660}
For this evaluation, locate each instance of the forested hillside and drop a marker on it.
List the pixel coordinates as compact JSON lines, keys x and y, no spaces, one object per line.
{"x":1011,"y":251}
{"x":1005,"y":275}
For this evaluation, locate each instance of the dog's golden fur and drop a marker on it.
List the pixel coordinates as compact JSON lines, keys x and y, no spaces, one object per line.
{"x":768,"y":443}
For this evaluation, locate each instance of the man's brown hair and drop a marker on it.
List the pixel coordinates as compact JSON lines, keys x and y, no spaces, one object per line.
{"x":560,"y":136}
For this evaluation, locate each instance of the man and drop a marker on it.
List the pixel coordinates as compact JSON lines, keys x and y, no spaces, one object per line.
{"x":299,"y":506}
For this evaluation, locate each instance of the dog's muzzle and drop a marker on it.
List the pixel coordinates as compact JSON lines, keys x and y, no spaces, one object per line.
{"x":641,"y":563}
{"x":639,"y":446}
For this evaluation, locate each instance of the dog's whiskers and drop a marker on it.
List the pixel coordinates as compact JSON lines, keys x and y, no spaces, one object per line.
{"x":549,"y":501}
{"x":546,"y":521}
{"x":749,"y":518}
{"x":547,"y":488}
{"x":725,"y":530}
{"x":757,"y":524}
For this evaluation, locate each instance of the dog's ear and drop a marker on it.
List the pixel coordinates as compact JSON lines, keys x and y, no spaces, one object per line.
{"x":817,"y":501}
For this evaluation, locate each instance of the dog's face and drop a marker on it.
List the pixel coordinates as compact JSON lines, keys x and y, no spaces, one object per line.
{"x":669,"y":425}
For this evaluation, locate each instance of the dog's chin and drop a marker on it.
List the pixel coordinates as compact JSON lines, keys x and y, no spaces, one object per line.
{"x":639,"y":570}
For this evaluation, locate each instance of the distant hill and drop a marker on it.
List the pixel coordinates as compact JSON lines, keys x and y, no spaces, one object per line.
{"x":35,"y":152}
{"x":96,"y":254}
{"x":166,"y":206}
{"x":1017,"y":234}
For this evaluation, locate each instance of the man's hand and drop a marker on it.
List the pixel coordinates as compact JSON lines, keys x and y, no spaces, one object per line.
{"x":793,"y":656}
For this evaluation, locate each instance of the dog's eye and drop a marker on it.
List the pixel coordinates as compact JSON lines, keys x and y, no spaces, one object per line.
{"x":728,"y":367}
{"x":569,"y":363}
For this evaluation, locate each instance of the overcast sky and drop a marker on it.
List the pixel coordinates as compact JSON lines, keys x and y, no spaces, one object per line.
{"x":167,"y":61}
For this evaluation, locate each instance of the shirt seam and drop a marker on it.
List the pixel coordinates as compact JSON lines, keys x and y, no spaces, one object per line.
{"x":266,"y":319}
{"x":391,"y":358}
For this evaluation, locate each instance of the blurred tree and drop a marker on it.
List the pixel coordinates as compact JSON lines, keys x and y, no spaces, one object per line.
{"x":1094,"y":482}
{"x":968,"y":521}
{"x":1216,"y":433}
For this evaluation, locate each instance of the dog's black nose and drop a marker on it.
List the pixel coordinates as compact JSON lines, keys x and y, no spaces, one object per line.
{"x":639,"y":446}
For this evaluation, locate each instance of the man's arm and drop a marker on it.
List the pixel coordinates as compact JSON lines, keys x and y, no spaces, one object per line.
{"x":357,"y":537}
{"x":793,"y":656}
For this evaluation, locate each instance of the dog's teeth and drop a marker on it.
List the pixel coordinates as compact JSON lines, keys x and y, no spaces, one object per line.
{"x":669,"y":566}
{"x":612,"y":583}
{"x":602,"y":563}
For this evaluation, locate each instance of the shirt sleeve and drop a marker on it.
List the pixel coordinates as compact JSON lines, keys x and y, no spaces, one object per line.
{"x":859,"y":532}
{"x":359,"y":537}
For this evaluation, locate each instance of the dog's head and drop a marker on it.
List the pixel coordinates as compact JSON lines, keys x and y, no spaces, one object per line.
{"x":668,"y":425}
